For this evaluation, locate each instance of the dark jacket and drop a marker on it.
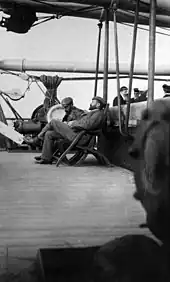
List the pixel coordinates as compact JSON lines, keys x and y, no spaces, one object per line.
{"x":140,"y":99}
{"x":166,"y":95}
{"x":115,"y":101}
{"x":89,"y":121}
{"x":73,"y":115}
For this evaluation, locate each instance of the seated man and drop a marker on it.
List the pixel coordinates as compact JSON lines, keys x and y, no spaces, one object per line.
{"x":136,"y":96}
{"x":143,"y":96}
{"x":57,"y":130}
{"x":72,"y":113}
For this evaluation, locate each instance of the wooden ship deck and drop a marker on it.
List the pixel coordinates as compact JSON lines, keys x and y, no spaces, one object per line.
{"x":45,"y":206}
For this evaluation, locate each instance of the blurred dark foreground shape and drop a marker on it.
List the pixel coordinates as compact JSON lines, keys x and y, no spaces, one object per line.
{"x":151,"y":151}
{"x":131,"y":258}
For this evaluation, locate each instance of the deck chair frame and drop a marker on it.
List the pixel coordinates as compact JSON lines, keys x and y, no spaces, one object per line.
{"x":82,"y":151}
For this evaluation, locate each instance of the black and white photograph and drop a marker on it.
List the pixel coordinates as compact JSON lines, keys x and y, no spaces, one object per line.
{"x":84,"y":140}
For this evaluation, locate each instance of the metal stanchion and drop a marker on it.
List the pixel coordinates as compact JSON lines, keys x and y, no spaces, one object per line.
{"x":117,"y":68}
{"x":106,"y":55}
{"x":152,"y":40}
{"x":97,"y":60}
{"x":132,"y":65}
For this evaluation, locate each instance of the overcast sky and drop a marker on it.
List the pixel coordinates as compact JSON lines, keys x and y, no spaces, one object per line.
{"x":70,"y":39}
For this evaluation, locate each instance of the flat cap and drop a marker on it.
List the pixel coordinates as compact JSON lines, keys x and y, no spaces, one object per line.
{"x":123,"y":88}
{"x":67,"y":101}
{"x":166,"y":88}
{"x":136,"y":89}
{"x":100,"y":100}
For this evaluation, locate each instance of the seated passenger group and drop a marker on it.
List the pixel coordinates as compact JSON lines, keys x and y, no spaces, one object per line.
{"x":74,"y":121}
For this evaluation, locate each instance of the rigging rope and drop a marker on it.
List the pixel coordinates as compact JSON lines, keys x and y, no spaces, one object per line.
{"x":44,"y":21}
{"x":22,"y":96}
{"x":16,"y":114}
{"x":53,"y":6}
{"x":142,"y":28}
{"x":144,"y":17}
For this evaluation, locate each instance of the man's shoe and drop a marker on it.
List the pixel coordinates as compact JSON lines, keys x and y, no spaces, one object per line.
{"x":37,"y":158}
{"x":42,"y":161}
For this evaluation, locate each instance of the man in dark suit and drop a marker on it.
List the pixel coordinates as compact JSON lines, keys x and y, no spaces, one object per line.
{"x":71,"y":112}
{"x":123,"y":96}
{"x":57,"y":130}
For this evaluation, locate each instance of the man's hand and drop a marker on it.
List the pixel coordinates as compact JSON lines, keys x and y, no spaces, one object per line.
{"x":70,"y":123}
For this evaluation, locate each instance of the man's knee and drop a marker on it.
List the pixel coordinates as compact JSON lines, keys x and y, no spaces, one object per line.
{"x":54,"y":122}
{"x":49,"y":135}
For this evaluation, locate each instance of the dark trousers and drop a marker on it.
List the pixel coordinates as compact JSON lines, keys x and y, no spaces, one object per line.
{"x":55,"y":130}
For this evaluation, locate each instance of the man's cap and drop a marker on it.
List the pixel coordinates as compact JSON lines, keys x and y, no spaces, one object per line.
{"x":67,"y":101}
{"x":136,"y":89}
{"x":166,"y":88}
{"x":100,"y":100}
{"x":123,"y":88}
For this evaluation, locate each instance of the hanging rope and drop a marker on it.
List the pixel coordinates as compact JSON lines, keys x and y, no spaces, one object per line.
{"x":51,"y":83}
{"x":13,"y":99}
{"x":15,"y":93}
{"x":16,"y":114}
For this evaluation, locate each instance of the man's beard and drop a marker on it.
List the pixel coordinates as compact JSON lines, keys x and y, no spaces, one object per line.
{"x":67,"y":111}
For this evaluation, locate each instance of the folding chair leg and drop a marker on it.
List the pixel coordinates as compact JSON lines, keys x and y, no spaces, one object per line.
{"x":100,"y":157}
{"x":63,"y":157}
{"x":81,"y":159}
{"x":74,"y":142}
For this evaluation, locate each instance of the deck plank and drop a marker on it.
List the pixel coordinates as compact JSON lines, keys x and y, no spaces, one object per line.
{"x":45,"y":206}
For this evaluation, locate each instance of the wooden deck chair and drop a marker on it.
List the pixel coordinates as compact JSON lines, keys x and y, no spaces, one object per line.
{"x":80,"y":152}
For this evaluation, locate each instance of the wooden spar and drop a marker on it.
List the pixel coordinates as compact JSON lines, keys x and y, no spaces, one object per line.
{"x":132,"y":65}
{"x":76,"y":67}
{"x":106,"y":55}
{"x":87,"y":9}
{"x":152,"y":39}
{"x":122,"y":4}
{"x":97,"y":60}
